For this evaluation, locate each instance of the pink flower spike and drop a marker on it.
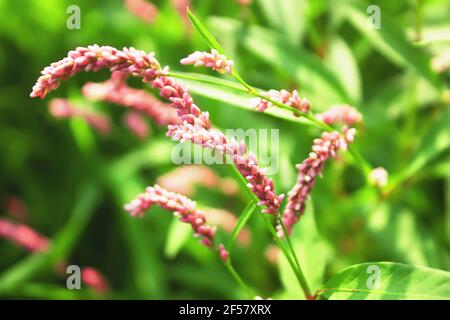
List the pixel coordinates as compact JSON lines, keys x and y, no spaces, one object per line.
{"x":214,"y":60}
{"x":291,"y":99}
{"x":345,"y":114}
{"x":323,"y":148}
{"x":176,"y":203}
{"x":23,"y":236}
{"x":95,"y":58}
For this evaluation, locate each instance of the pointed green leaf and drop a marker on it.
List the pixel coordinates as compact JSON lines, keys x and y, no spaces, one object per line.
{"x":388,"y":281}
{"x":212,"y":42}
{"x":242,"y":221}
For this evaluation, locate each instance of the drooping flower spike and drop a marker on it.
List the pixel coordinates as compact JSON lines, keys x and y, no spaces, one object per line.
{"x":181,"y":206}
{"x":291,"y":99}
{"x":345,"y":114}
{"x":323,"y":148}
{"x":95,"y":58}
{"x":214,"y":60}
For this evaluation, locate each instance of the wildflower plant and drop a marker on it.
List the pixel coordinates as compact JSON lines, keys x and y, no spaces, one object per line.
{"x":337,"y":131}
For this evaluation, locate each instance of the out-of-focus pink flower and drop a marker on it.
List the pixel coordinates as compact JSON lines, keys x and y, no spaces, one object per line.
{"x":136,"y":123}
{"x":182,"y":207}
{"x":291,"y":99}
{"x":94,"y":279}
{"x":379,"y":177}
{"x":226,"y":220}
{"x":323,"y":148}
{"x":244,"y":2}
{"x":95,"y":58}
{"x":185,"y":178}
{"x":23,"y":236}
{"x":180,"y":6}
{"x":62,"y":108}
{"x":16,"y":208}
{"x":223,"y":253}
{"x":441,"y":63}
{"x":214,"y":60}
{"x":272,"y":254}
{"x":115,"y":90}
{"x":345,"y":114}
{"x":143,"y":9}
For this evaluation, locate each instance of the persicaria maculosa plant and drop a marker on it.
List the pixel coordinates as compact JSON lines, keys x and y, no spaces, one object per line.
{"x":186,"y":122}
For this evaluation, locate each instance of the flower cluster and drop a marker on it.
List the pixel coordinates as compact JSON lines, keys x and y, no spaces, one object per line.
{"x":62,"y":108}
{"x":340,"y":114}
{"x":291,"y":99}
{"x":94,"y":279}
{"x":95,"y":58}
{"x":214,"y":60}
{"x":323,"y":148}
{"x":195,"y":124}
{"x":182,"y":207}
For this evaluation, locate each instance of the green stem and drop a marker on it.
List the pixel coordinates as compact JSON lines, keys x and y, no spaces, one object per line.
{"x":302,"y":278}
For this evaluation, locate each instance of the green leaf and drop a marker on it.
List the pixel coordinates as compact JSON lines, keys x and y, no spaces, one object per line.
{"x":393,"y":44}
{"x":339,"y":58}
{"x":243,"y":218}
{"x":396,"y":281}
{"x":313,"y":253}
{"x":212,"y":42}
{"x":399,"y":235}
{"x":317,"y":81}
{"x":287,"y":16}
{"x":179,"y":233}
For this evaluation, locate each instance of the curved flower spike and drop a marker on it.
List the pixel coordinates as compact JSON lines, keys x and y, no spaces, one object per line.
{"x":182,"y":207}
{"x":214,"y":60}
{"x":291,"y":99}
{"x":323,"y":148}
{"x":95,"y":58}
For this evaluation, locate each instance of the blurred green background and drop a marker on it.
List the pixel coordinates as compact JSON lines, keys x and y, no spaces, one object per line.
{"x":74,"y":182}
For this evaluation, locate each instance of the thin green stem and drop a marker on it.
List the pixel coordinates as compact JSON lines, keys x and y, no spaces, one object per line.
{"x":302,"y":279}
